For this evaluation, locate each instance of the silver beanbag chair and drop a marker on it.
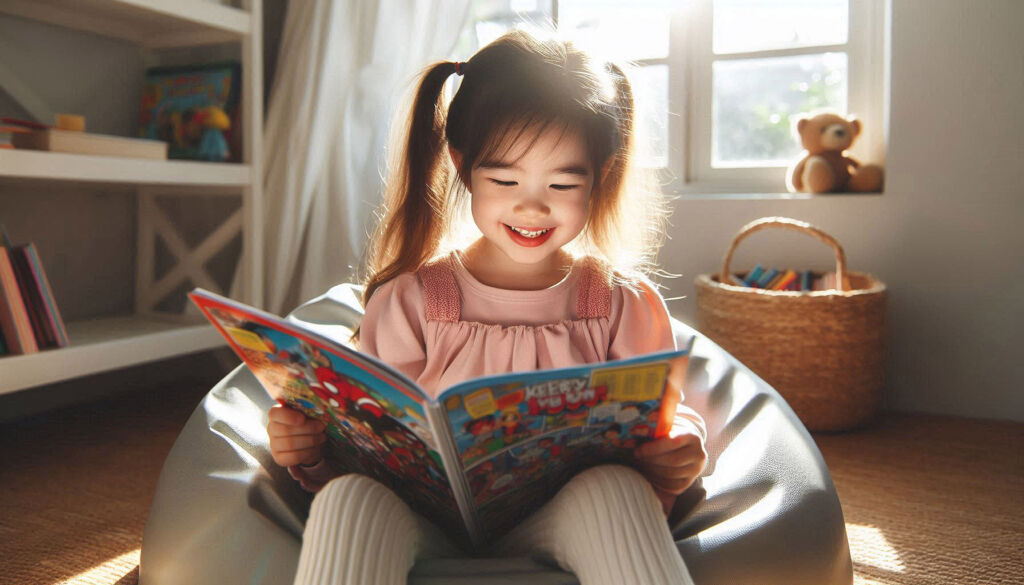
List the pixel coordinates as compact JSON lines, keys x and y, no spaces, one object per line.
{"x":765,"y":510}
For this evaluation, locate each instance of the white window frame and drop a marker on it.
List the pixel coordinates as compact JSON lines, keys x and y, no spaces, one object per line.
{"x":689,"y":61}
{"x":690,"y":93}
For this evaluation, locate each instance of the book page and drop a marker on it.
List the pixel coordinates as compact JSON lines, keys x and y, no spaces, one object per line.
{"x":521,"y":437}
{"x":376,"y":421}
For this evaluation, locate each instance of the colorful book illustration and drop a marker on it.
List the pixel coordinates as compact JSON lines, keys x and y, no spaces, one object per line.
{"x":485,"y":453}
{"x":195,"y":110}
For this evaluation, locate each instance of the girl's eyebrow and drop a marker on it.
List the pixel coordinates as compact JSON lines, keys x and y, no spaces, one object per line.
{"x":572,"y":169}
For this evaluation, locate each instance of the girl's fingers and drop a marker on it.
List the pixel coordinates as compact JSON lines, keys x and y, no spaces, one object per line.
{"x":311,"y":427}
{"x":674,"y":472}
{"x":285,"y":415}
{"x":672,"y":486}
{"x":297,"y":442}
{"x":677,"y":457}
{"x":664,"y":445}
{"x":302,"y":457}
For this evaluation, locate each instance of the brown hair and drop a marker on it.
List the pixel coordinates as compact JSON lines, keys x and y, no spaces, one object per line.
{"x":516,"y":86}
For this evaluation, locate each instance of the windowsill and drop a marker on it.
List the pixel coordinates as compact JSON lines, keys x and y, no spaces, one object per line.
{"x":696,"y":196}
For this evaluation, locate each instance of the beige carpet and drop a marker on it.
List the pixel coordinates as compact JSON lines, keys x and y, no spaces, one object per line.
{"x":932,"y":500}
{"x":926,"y":499}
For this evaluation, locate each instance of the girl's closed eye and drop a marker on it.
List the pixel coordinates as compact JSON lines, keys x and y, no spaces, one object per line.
{"x":565,"y":187}
{"x":504,"y":183}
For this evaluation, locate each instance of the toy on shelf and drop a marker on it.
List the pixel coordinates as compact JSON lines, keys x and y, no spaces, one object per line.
{"x":194,"y":109}
{"x":823,"y":167}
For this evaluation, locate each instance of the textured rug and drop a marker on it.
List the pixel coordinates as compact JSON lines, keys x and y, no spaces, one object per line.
{"x":932,"y":500}
{"x":926,"y":499}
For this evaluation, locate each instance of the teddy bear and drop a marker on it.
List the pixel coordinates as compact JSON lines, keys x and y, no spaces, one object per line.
{"x":823,"y":168}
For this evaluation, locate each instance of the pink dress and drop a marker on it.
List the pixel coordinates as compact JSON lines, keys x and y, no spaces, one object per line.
{"x":441,"y":326}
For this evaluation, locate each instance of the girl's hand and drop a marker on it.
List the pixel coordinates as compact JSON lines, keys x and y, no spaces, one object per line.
{"x":671,"y":464}
{"x":295,"y":439}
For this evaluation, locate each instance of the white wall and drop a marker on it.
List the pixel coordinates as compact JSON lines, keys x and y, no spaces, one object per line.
{"x":946,"y":237}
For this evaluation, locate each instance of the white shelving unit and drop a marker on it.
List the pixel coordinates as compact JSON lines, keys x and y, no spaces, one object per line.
{"x":99,"y":345}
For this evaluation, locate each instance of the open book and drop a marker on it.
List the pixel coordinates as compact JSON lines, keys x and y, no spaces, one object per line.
{"x":483,"y":455}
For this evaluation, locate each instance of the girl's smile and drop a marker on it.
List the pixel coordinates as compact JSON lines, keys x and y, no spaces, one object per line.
{"x":529,"y":238}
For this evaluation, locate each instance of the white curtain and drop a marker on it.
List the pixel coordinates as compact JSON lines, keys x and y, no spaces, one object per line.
{"x":342,"y":69}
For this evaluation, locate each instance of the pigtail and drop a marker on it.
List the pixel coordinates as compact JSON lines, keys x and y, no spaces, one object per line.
{"x":628,"y":216}
{"x":416,"y":207}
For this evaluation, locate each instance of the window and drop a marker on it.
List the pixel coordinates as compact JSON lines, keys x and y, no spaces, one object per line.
{"x":721,"y":81}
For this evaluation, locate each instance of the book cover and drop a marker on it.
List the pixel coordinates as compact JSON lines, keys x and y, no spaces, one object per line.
{"x":482,"y":455}
{"x":195,"y":110}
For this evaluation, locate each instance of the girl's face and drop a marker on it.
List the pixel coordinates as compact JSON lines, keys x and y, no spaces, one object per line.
{"x":536,"y":200}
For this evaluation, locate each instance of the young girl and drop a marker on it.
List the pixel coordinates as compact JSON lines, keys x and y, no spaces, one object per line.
{"x":540,"y":137}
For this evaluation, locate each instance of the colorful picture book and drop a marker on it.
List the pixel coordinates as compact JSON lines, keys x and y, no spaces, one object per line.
{"x":485,"y":453}
{"x":195,"y":110}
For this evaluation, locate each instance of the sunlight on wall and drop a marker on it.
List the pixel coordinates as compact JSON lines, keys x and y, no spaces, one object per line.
{"x":869,"y":547}
{"x":108,"y":572}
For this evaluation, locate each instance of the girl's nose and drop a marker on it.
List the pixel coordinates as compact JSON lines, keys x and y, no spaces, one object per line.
{"x":531,"y":207}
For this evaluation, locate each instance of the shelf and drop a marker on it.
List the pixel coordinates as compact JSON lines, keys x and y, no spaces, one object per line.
{"x":32,"y":164}
{"x":105,"y":344}
{"x":147,"y":23}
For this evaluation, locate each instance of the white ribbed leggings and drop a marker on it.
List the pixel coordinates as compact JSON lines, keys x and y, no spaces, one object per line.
{"x":606,"y":526}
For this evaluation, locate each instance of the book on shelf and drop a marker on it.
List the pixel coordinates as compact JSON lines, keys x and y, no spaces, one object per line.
{"x":486,"y":452}
{"x":7,"y":133}
{"x":75,"y":142}
{"x":14,"y":316}
{"x":195,"y":109}
{"x":31,"y":301}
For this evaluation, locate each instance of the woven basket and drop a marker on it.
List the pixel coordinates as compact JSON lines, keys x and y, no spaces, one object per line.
{"x":824,"y":351}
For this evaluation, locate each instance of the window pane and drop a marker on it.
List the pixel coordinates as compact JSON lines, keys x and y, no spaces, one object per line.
{"x":650,"y":88}
{"x":617,"y":29}
{"x":757,"y":25}
{"x":754,"y":100}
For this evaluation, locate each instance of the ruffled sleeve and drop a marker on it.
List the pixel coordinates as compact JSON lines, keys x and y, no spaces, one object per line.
{"x":393,"y":325}
{"x":639,"y":324}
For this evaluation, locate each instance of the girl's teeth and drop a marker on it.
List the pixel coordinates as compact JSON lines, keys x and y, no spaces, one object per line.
{"x":530,"y":234}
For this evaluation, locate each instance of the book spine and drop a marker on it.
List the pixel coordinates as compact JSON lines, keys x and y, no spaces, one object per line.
{"x":754,"y":275}
{"x":46,"y":292}
{"x":32,"y":298}
{"x":13,"y":317}
{"x":785,"y":280}
{"x":441,"y":428}
{"x":767,"y":278}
